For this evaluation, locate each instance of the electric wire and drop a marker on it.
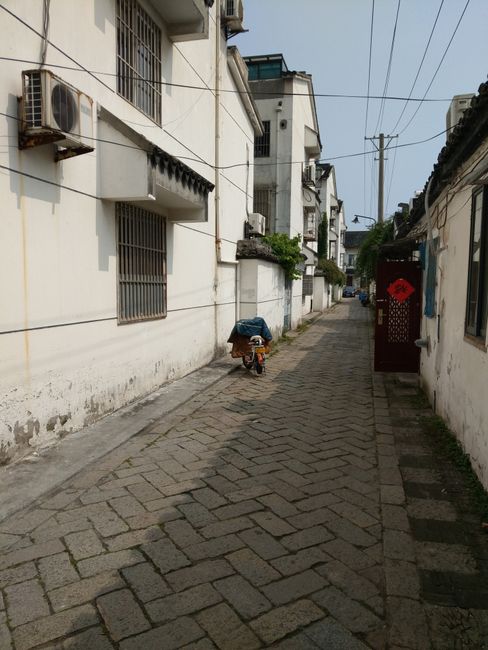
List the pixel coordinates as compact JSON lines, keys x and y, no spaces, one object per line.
{"x":371,"y":30}
{"x":420,"y":66}
{"x":245,"y":163}
{"x":45,"y":31}
{"x":438,"y":67}
{"x":388,"y":71}
{"x":264,"y":93}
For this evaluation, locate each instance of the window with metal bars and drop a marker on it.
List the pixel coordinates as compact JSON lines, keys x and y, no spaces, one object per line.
{"x":477,"y":298}
{"x":141,"y":252}
{"x":262,"y":201}
{"x":139,"y":58}
{"x":262,"y":142}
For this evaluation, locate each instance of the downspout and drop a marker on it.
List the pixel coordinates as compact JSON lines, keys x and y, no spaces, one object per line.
{"x":278,"y":109}
{"x":218,"y":29}
{"x":218,"y":243}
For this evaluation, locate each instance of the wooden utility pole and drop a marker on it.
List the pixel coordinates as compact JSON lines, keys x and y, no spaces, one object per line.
{"x":381,"y":171}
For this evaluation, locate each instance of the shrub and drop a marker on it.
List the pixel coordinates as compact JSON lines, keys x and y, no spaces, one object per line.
{"x":331,"y":272}
{"x":288,"y":251}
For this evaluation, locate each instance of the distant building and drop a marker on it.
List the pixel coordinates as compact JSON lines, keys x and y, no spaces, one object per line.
{"x":285,"y":156}
{"x":352,"y":244}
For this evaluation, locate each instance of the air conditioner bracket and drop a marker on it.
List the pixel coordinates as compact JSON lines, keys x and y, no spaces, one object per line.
{"x":70,"y":152}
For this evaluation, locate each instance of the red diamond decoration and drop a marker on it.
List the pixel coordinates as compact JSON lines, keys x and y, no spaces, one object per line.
{"x":400,"y":290}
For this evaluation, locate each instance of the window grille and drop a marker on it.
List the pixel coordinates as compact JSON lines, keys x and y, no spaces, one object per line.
{"x":263,"y":197}
{"x":139,"y":58}
{"x":477,"y":298}
{"x":307,"y":285}
{"x":309,"y":224}
{"x":141,"y":264}
{"x":262,"y":142}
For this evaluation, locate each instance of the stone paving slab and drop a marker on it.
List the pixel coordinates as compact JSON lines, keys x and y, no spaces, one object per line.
{"x":264,"y":512}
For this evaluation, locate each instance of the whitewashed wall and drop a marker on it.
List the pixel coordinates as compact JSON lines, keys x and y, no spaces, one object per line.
{"x":454,"y":371}
{"x":322,"y":294}
{"x":262,"y":291}
{"x":64,"y":359}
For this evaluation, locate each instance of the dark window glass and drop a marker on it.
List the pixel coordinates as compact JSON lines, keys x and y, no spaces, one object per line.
{"x":477,"y":297}
{"x":139,"y":58}
{"x":262,"y":142}
{"x":141,"y":250}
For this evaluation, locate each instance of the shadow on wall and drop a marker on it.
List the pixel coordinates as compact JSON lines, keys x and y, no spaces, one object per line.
{"x":38,"y":161}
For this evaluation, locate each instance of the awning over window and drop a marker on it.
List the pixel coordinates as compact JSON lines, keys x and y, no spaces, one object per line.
{"x":136,"y":171}
{"x":186,"y":20}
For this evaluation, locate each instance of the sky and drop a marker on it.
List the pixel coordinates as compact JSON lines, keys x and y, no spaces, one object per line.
{"x":330,"y":39}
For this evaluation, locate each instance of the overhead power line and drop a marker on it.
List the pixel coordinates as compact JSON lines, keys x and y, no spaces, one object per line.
{"x":371,"y":30}
{"x":420,"y":66}
{"x":93,"y":74}
{"x":388,"y":70}
{"x":438,"y":68}
{"x":255,"y":164}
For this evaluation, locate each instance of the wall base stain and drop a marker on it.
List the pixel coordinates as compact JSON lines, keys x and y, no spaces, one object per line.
{"x":23,"y":433}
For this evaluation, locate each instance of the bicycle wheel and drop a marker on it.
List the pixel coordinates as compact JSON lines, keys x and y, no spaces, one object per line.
{"x":247,"y":360}
{"x":259,"y":364}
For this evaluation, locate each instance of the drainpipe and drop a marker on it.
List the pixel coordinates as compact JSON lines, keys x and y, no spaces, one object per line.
{"x":218,"y":243}
{"x":278,"y":109}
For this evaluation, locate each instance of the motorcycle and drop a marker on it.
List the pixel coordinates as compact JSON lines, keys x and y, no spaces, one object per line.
{"x":251,"y":340}
{"x":256,"y":358}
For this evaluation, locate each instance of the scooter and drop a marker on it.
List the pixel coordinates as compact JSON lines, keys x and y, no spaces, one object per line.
{"x":256,"y":358}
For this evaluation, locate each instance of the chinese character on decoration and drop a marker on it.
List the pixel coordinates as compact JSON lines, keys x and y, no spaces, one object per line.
{"x":400,"y":290}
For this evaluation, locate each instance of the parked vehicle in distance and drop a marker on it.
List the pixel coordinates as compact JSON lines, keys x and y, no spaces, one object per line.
{"x":348,"y":292}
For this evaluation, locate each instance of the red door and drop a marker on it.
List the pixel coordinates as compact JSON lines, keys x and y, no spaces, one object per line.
{"x":398,"y":304}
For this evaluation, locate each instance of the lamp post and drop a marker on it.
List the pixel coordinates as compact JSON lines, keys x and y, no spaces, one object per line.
{"x":362,"y":216}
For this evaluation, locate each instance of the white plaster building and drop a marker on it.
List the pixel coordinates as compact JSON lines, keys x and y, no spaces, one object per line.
{"x":284,"y":175}
{"x":454,"y":361}
{"x":117,"y":268}
{"x":333,"y":207}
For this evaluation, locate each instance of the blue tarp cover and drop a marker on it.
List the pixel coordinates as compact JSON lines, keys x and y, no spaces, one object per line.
{"x":250,"y":327}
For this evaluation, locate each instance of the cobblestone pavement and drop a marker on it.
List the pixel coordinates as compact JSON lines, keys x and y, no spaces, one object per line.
{"x":301,"y":509}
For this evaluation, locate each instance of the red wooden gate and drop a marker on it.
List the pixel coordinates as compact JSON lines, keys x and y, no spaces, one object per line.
{"x":398,"y":304}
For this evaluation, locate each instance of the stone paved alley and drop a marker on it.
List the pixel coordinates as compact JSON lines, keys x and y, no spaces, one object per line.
{"x":302,"y":509}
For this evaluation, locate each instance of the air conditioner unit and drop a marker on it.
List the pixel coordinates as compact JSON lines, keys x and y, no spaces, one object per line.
{"x":258,"y":223}
{"x":53,"y":111}
{"x":233,"y":15}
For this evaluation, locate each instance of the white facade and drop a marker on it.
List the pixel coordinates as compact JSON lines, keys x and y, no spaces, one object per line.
{"x":262,"y":292}
{"x":333,"y":207}
{"x":66,"y":360}
{"x":284,"y":179}
{"x":454,"y":363}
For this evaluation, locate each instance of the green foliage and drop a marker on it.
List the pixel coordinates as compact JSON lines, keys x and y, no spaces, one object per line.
{"x":368,"y":252}
{"x":288,"y":251}
{"x":323,"y":236}
{"x":331,"y":272}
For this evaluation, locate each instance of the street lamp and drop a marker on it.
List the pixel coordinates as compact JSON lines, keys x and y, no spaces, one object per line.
{"x":361,"y":216}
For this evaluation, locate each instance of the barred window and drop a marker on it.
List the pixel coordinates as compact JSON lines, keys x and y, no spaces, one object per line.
{"x":141,"y":264}
{"x":262,"y":201}
{"x":139,"y":58}
{"x":261,"y":143}
{"x":477,"y":298}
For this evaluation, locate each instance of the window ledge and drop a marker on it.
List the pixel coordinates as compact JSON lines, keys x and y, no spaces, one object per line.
{"x":476,"y":341}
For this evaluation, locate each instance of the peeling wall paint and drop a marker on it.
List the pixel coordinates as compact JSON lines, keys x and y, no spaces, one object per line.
{"x":65,"y":361}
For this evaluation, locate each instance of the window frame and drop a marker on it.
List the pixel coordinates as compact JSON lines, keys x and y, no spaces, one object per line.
{"x":133,"y":236}
{"x":139,"y":59}
{"x":262,"y":143}
{"x":477,"y":330}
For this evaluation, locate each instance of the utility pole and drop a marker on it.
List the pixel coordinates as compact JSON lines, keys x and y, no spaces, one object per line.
{"x":381,"y":171}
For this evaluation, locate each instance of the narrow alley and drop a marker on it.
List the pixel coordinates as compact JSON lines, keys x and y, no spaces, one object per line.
{"x":301,"y":509}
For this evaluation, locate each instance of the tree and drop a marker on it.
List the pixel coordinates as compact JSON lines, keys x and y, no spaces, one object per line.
{"x":331,"y":272}
{"x":367,"y":258}
{"x":323,"y":236}
{"x":288,"y":251}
